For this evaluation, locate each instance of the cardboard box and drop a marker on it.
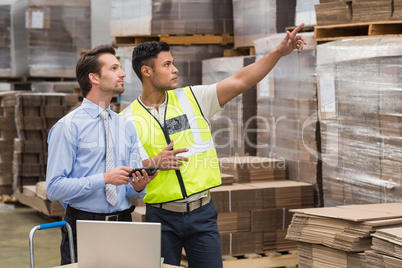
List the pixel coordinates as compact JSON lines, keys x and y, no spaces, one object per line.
{"x":37,"y":18}
{"x":49,"y":208}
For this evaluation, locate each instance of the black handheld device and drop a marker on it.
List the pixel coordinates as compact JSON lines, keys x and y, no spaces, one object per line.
{"x":150,"y":170}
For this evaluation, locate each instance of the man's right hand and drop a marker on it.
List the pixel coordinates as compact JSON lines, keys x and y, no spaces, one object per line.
{"x":118,"y":175}
{"x":168,"y":159}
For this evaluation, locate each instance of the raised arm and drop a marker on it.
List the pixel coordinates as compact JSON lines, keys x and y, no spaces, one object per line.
{"x":250,"y":75}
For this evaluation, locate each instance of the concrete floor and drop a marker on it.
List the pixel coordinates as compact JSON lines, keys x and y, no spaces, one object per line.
{"x":16,"y":221}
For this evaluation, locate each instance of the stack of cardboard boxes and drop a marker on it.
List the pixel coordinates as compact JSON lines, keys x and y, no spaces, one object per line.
{"x":7,"y":135}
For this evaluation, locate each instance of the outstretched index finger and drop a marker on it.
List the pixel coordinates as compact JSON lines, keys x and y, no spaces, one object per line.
{"x":297,"y":29}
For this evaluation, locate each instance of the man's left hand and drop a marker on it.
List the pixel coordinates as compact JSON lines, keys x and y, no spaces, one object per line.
{"x":139,"y":181}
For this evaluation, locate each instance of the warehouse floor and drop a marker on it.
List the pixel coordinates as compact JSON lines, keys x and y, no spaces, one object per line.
{"x":16,"y":221}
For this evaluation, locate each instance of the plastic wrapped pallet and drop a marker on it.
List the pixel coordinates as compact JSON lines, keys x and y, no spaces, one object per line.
{"x":13,"y":38}
{"x":305,"y":12}
{"x":361,"y":120}
{"x":132,"y":84}
{"x":100,"y":22}
{"x":57,"y":33}
{"x":175,"y":17}
{"x":188,"y":60}
{"x":287,"y":111}
{"x":233,"y":127}
{"x":55,"y":86}
{"x":254,"y":19}
{"x":44,"y":38}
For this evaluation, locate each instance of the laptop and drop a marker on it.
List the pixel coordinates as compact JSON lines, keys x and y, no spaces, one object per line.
{"x":105,"y":244}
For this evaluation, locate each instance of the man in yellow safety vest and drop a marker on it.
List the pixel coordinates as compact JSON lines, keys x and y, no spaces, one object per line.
{"x":172,"y":125}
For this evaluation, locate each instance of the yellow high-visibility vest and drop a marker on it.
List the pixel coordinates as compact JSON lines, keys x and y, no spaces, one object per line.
{"x":187,"y":127}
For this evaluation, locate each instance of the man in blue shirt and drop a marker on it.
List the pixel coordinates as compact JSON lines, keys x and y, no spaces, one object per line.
{"x":76,"y":169}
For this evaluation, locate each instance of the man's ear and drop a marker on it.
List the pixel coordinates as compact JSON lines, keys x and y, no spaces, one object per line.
{"x":93,"y":78}
{"x":146,"y":71}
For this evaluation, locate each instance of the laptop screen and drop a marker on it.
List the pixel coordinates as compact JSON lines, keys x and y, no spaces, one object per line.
{"x":118,"y":244}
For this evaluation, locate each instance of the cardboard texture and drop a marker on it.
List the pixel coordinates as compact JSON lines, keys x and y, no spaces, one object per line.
{"x":345,"y":228}
{"x":253,"y":168}
{"x":138,"y":214}
{"x":7,"y":135}
{"x":372,"y":10}
{"x":50,"y":208}
{"x":227,"y":179}
{"x":397,"y":12}
{"x":333,"y":13}
{"x":35,"y":114}
{"x":41,"y":190}
{"x":311,"y":255}
{"x":388,"y":242}
{"x":374,"y":260}
{"x":38,"y":18}
{"x":258,"y":211}
{"x":249,"y":220}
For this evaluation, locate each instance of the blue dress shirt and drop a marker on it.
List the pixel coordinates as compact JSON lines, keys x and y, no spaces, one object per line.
{"x":77,"y":159}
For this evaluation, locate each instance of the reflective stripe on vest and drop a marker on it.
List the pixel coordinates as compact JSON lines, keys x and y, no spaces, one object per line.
{"x":185,"y":124}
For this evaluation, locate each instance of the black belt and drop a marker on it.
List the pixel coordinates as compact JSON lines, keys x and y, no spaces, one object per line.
{"x":84,"y":215}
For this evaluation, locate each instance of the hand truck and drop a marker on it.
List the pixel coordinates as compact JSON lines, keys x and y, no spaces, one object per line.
{"x":48,"y":226}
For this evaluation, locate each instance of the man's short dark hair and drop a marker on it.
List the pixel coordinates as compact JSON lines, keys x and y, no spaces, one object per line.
{"x":89,"y":63}
{"x":144,"y":53}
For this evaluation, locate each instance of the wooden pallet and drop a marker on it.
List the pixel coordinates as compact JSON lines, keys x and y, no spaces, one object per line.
{"x":306,"y":28}
{"x":197,"y":39}
{"x":8,"y":199}
{"x":241,"y":51}
{"x":328,"y":33}
{"x":33,"y":79}
{"x":267,"y":260}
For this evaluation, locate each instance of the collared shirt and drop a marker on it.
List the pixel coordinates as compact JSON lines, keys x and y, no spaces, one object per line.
{"x":77,"y":159}
{"x":207,"y":98}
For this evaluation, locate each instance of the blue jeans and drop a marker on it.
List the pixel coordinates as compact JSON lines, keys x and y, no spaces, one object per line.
{"x":197,"y":232}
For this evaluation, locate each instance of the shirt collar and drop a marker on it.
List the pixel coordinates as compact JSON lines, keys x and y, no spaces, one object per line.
{"x":93,"y":109}
{"x":149,"y":107}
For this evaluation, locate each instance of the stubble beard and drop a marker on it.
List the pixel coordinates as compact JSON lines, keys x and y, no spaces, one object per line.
{"x":119,"y":89}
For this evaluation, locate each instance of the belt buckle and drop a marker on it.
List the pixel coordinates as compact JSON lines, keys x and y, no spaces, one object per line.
{"x":112,"y":218}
